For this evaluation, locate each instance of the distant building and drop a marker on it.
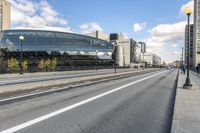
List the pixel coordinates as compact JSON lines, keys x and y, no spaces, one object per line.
{"x":118,"y":37}
{"x":177,"y":64}
{"x":192,"y":48}
{"x":4,"y":15}
{"x":143,"y":50}
{"x":143,"y":47}
{"x":99,"y":35}
{"x":152,"y":60}
{"x":196,"y":32}
{"x":127,"y":51}
{"x":131,"y":52}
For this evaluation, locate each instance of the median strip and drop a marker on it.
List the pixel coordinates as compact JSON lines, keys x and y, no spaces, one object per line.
{"x":102,"y":78}
{"x":26,"y":87}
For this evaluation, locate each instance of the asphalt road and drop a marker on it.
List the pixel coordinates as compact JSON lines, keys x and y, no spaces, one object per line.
{"x":38,"y":78}
{"x":138,"y":104}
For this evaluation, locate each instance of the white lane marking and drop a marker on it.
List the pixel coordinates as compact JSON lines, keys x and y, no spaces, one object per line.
{"x":42,"y":118}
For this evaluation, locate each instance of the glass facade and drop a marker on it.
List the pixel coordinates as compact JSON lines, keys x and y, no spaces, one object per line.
{"x":57,"y":42}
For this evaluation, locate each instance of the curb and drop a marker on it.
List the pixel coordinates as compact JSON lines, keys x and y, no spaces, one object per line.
{"x":175,"y":99}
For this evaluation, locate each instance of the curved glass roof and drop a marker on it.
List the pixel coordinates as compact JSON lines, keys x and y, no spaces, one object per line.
{"x":38,"y":40}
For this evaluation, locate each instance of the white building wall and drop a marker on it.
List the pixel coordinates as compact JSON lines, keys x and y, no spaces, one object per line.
{"x":99,"y":35}
{"x":120,"y":55}
{"x":132,"y":51}
{"x":196,"y":32}
{"x":4,"y":15}
{"x":152,"y":59}
{"x":126,"y":50}
{"x":148,"y":58}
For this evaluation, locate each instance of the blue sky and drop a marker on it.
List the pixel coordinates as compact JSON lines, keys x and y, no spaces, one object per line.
{"x":119,"y":15}
{"x":154,"y":21}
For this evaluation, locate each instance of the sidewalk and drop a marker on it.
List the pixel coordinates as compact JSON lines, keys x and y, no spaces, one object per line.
{"x":186,"y":117}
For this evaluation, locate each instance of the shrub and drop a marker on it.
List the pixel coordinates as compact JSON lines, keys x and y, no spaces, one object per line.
{"x":48,"y":65}
{"x":13,"y":65}
{"x":41,"y":65}
{"x":25,"y":65}
{"x":54,"y":63}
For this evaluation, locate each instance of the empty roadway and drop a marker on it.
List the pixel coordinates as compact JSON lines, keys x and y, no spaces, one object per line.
{"x":138,"y":104}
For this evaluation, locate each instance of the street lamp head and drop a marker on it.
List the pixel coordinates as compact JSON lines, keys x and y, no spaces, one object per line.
{"x":188,"y":10}
{"x":21,"y":37}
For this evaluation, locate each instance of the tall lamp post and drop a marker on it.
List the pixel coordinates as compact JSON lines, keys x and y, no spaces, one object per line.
{"x":21,"y":38}
{"x":96,"y":59}
{"x":115,"y":50}
{"x":188,"y":12}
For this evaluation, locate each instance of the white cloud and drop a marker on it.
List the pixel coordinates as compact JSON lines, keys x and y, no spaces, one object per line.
{"x":139,"y":26}
{"x":51,"y":28}
{"x":90,"y":27}
{"x":166,"y":33}
{"x":174,"y":45}
{"x":175,"y":53}
{"x":163,"y":35}
{"x":29,"y":14}
{"x":50,"y":15}
{"x":23,"y":6}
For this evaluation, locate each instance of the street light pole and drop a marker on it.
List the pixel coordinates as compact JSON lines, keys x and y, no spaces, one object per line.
{"x":96,"y":59}
{"x":114,"y":54}
{"x":21,"y":38}
{"x":188,"y":84}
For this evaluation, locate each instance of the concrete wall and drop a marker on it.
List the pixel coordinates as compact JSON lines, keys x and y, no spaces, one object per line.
{"x":126,"y":51}
{"x":120,"y":55}
{"x":152,"y":59}
{"x":196,"y":32}
{"x":5,"y":15}
{"x":99,"y":35}
{"x":132,"y":51}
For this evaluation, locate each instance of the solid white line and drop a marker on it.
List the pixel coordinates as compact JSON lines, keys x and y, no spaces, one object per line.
{"x":42,"y":118}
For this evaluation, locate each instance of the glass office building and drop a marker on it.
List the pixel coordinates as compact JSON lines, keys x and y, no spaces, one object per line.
{"x":38,"y":44}
{"x":58,"y":42}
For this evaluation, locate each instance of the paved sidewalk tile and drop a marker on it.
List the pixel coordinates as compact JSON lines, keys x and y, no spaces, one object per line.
{"x":186,"y":117}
